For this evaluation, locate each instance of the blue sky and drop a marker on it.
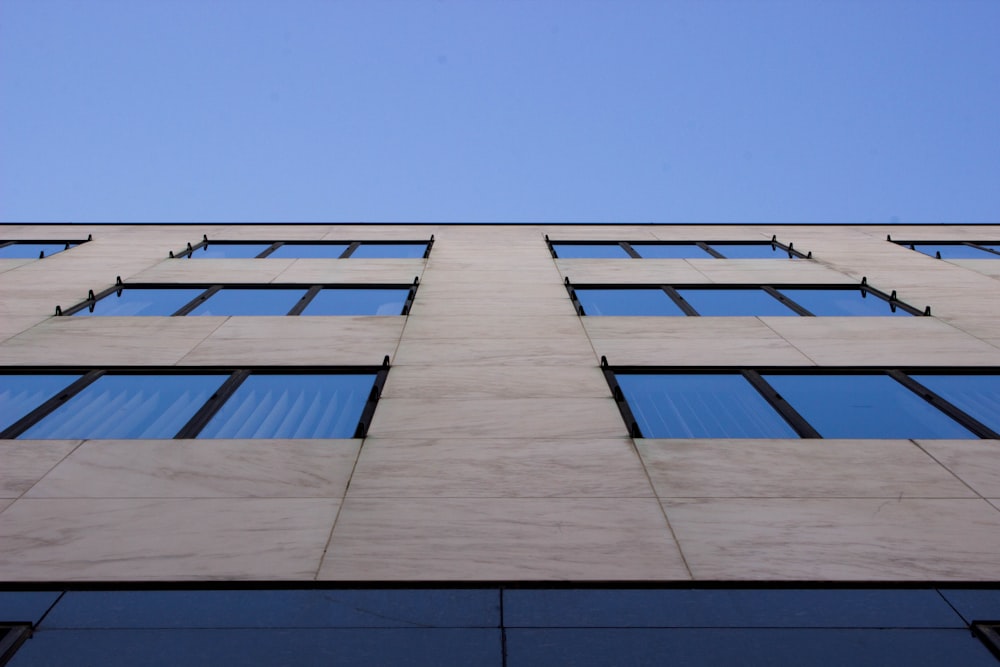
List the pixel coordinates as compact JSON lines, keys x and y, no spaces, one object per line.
{"x":699,"y":111}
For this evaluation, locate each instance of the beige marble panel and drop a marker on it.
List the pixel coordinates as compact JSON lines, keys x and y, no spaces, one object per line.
{"x":507,"y":381}
{"x":497,"y":325}
{"x":502,"y":539}
{"x":486,"y":305}
{"x":11,"y":326}
{"x":984,"y":327}
{"x":975,"y":462}
{"x":988,"y":267}
{"x":24,"y":462}
{"x":629,"y":271}
{"x":491,"y":279}
{"x":499,"y":468}
{"x":305,"y":340}
{"x":871,"y":539}
{"x":496,"y":351}
{"x":503,"y":295}
{"x":768,"y":271}
{"x":890,"y":341}
{"x":202,"y":469}
{"x":691,"y":341}
{"x":160,"y":539}
{"x":100,"y":341}
{"x":355,"y":232}
{"x":626,"y":232}
{"x":5,"y":503}
{"x":13,"y":263}
{"x":717,"y":233}
{"x":353,"y":271}
{"x":796,"y":469}
{"x":497,"y":418}
{"x":213,"y":271}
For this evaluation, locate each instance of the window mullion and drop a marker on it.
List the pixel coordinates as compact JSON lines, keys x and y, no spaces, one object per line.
{"x":304,"y":301}
{"x":43,"y":410}
{"x":212,"y":405}
{"x":681,"y":302}
{"x":784,"y":408}
{"x":627,"y":247}
{"x":349,"y":250}
{"x":197,"y":301}
{"x":944,"y":406}
{"x":268,"y":251}
{"x":787,"y":301}
{"x":710,"y":250}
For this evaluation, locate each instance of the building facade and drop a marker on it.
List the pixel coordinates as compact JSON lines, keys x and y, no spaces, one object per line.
{"x":671,"y":432}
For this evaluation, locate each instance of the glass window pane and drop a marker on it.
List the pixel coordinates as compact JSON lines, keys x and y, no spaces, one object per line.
{"x":129,"y":406}
{"x":292,"y":406}
{"x":140,"y":301}
{"x":229,"y":250}
{"x":864,"y":406}
{"x":32,"y":250}
{"x":20,"y":394}
{"x":734,"y":302}
{"x":670,"y":251}
{"x":595,"y":250}
{"x":995,"y":247}
{"x":979,"y":395}
{"x":701,"y":406}
{"x":250,"y":301}
{"x":358,"y":302}
{"x":627,"y":302}
{"x":952,"y":251}
{"x":310,"y":250}
{"x":751,"y":251}
{"x":390,"y":250}
{"x":841,"y":302}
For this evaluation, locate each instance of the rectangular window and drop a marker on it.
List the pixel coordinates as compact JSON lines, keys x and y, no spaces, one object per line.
{"x":190,"y":403}
{"x":35,"y":249}
{"x":307,"y":249}
{"x":955,"y":249}
{"x":237,"y":300}
{"x":808,"y":403}
{"x":674,"y":249}
{"x":738,"y":300}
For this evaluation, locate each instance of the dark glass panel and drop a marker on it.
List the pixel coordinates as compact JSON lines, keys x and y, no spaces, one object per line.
{"x":32,"y":250}
{"x":995,"y":247}
{"x":670,"y":251}
{"x":141,"y":301}
{"x":335,"y":301}
{"x":750,"y":251}
{"x":952,"y":251}
{"x":585,"y":250}
{"x":128,"y":406}
{"x":390,"y":250}
{"x":292,"y":406}
{"x":20,"y":394}
{"x":229,"y":250}
{"x":864,"y":406}
{"x":26,"y":605}
{"x":250,"y":301}
{"x":979,"y":395}
{"x":310,"y":250}
{"x":753,"y":301}
{"x":651,"y":301}
{"x":842,"y":302}
{"x":701,"y":406}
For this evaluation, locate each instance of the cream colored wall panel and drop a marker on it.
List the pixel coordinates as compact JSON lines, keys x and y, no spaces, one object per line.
{"x":528,"y":381}
{"x":497,"y":418}
{"x":11,"y":326}
{"x":492,"y":279}
{"x":559,"y":233}
{"x":975,"y":462}
{"x":581,"y":539}
{"x":303,"y":340}
{"x":895,"y":341}
{"x":715,"y":233}
{"x":984,"y":327}
{"x":276,"y":232}
{"x":5,"y":503}
{"x":484,"y":305}
{"x":353,"y":232}
{"x":987,"y":267}
{"x":768,"y":271}
{"x":315,"y":271}
{"x":496,"y":352}
{"x":624,"y":271}
{"x":11,"y":264}
{"x":497,"y":325}
{"x":502,"y":294}
{"x":202,"y":469}
{"x":499,"y":468}
{"x":164,"y":539}
{"x":747,"y":468}
{"x":851,"y":539}
{"x":24,"y":462}
{"x":108,"y":341}
{"x":214,"y":271}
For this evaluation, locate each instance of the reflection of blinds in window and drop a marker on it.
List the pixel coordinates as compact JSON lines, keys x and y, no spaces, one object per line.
{"x":20,"y":394}
{"x":129,"y":406}
{"x":292,"y":406}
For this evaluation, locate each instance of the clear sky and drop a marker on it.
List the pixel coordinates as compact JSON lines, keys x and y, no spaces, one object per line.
{"x":486,"y":110}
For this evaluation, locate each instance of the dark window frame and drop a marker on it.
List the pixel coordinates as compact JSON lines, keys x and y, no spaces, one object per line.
{"x":772,"y":289}
{"x":202,"y":415}
{"x":629,"y":246}
{"x":12,"y":635}
{"x":68,"y":244}
{"x":209,"y":289}
{"x":274,"y":245}
{"x":978,"y":245}
{"x":754,"y":375}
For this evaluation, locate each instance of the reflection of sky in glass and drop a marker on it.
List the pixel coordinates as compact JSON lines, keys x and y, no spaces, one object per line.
{"x":734,"y":302}
{"x":292,"y":406}
{"x":229,"y":250}
{"x":140,"y":301}
{"x":995,"y":247}
{"x":670,"y":251}
{"x":239,"y":301}
{"x":750,"y":251}
{"x":627,"y":302}
{"x":701,"y":406}
{"x":595,"y":250}
{"x":864,"y":406}
{"x":957,"y":251}
{"x":358,"y":302}
{"x":841,"y":302}
{"x":31,"y":250}
{"x":390,"y":250}
{"x":128,"y":406}
{"x":310,"y":250}
{"x":20,"y":394}
{"x":979,"y":395}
